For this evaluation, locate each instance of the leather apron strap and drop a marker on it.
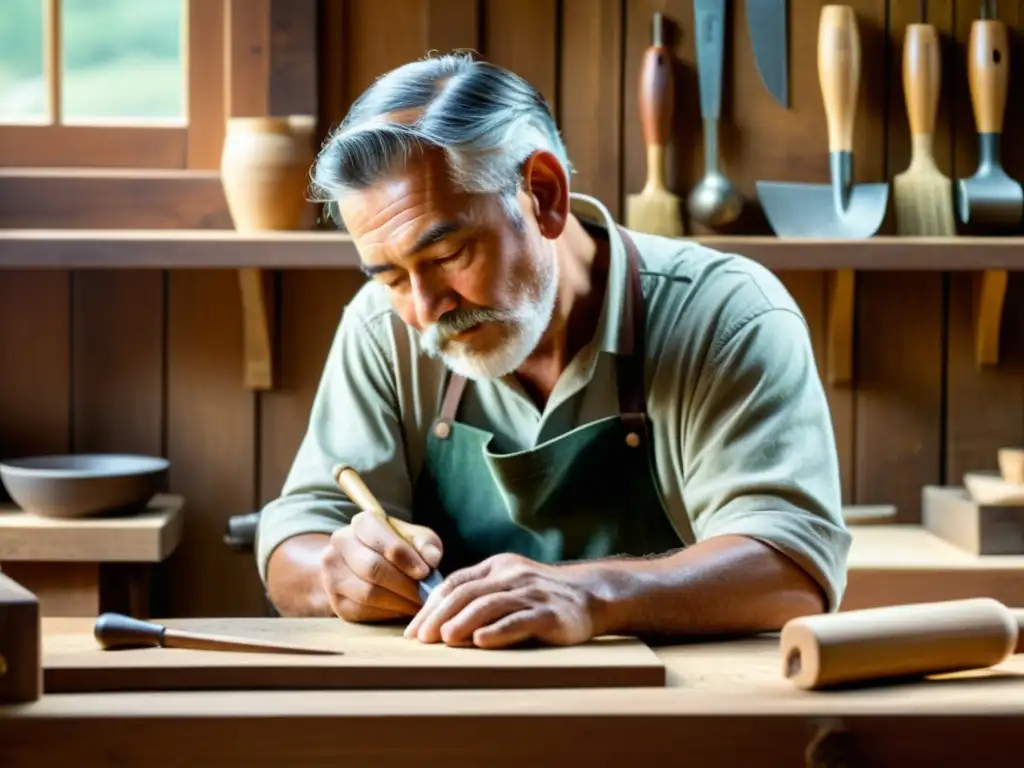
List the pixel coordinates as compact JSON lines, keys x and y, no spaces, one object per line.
{"x":629,"y":362}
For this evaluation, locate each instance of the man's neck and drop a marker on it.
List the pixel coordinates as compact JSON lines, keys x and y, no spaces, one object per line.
{"x":583,"y":278}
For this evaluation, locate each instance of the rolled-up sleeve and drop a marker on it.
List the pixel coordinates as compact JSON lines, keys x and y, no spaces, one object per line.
{"x":761,"y":458}
{"x":353,"y":419}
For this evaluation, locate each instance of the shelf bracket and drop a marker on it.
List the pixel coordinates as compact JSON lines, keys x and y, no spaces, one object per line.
{"x":256,"y":322}
{"x":839,"y":349}
{"x":989,"y":294}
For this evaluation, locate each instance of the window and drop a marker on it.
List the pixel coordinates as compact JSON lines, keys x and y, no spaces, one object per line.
{"x":111,"y":83}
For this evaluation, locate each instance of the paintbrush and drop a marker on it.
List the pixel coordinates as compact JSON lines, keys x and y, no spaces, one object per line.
{"x":655,"y":209}
{"x":115,"y":631}
{"x":922,"y":194}
{"x":352,"y":484}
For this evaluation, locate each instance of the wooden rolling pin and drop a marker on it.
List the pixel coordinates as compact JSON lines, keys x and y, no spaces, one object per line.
{"x":115,"y":631}
{"x":352,"y":484}
{"x":901,"y":641}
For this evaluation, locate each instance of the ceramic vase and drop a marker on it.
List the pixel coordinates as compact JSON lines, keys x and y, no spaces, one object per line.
{"x":265,"y":166}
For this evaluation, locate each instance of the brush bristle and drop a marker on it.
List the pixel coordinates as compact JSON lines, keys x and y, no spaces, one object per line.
{"x":658,"y":213}
{"x":924,"y":204}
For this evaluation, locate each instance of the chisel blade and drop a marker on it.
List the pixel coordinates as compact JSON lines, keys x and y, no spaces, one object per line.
{"x":766,"y":27}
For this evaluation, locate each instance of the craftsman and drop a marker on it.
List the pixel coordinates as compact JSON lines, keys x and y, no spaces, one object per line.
{"x":589,"y":431}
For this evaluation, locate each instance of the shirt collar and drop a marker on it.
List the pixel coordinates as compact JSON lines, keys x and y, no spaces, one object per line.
{"x":609,"y":330}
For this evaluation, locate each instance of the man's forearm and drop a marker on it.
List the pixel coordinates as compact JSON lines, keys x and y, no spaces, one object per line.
{"x":722,"y":585}
{"x":293,"y":577}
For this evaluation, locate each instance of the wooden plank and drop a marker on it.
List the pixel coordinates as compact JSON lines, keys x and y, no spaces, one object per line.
{"x":117,"y":361}
{"x":292,"y":70}
{"x":522,"y":36}
{"x":332,"y":50}
{"x":898,"y":331}
{"x":979,"y":529}
{"x":453,"y":25}
{"x":377,"y":44}
{"x":147,"y":537}
{"x":204,"y":65}
{"x":809,"y":289}
{"x":211,"y":444}
{"x":247,"y":64}
{"x":95,"y":146}
{"x":589,"y":98}
{"x":35,"y":359}
{"x":372,"y":657}
{"x":21,"y":643}
{"x":222,"y":248}
{"x":70,"y":199}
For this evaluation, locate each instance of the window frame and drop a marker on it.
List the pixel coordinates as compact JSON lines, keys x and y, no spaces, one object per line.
{"x":194,"y":145}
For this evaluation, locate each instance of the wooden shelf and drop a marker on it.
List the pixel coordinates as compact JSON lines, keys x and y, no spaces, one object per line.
{"x":227,"y":249}
{"x":989,"y":257}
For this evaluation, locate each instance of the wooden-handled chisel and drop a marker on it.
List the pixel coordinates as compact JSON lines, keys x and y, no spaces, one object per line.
{"x":352,"y":484}
{"x":116,"y":631}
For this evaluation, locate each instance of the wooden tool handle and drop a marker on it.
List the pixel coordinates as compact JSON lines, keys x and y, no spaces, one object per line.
{"x":352,"y":484}
{"x":115,"y":630}
{"x":656,"y":97}
{"x":897,"y":641}
{"x":922,"y":77}
{"x":839,"y":73}
{"x":988,"y":68}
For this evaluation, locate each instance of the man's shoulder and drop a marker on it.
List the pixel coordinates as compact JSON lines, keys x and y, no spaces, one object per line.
{"x":701,"y":296}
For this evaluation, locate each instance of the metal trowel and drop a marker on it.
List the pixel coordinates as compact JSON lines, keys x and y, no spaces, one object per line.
{"x":840,"y":209}
{"x":990,"y":197}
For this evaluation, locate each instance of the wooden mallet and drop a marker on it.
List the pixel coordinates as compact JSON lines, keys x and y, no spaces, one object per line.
{"x":352,"y":484}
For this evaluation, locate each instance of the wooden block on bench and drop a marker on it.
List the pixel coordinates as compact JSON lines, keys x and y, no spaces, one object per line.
{"x":981,"y":529}
{"x":21,"y":655}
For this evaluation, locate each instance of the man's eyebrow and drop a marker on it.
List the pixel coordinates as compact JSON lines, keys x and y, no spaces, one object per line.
{"x":435,"y":233}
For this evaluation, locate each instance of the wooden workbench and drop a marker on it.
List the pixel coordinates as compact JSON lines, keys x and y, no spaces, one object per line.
{"x":725,"y":704}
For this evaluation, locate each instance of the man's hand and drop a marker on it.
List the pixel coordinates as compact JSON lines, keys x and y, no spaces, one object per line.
{"x":370,"y":573}
{"x":508,"y":599}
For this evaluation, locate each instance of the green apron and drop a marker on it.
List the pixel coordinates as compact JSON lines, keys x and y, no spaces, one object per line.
{"x":590,"y":493}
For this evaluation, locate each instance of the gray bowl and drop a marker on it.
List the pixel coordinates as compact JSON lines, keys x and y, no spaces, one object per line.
{"x":83,"y":484}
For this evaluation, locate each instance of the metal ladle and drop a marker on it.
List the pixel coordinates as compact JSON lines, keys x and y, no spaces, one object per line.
{"x":714,"y":201}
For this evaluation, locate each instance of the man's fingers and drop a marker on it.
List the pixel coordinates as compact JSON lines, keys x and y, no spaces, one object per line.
{"x":482,"y":612}
{"x":344,"y":586}
{"x":426,"y":542}
{"x":379,"y":536}
{"x":350,"y":610}
{"x":439,"y":610}
{"x":514,"y":628}
{"x":373,"y":568}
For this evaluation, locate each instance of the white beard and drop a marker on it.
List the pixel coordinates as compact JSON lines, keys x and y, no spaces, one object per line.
{"x":524,"y":326}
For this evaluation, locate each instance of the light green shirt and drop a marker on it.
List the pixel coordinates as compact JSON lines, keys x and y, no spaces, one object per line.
{"x":742,"y":432}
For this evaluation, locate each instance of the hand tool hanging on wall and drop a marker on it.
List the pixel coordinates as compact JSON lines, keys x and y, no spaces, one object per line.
{"x":898,"y":641}
{"x":352,"y":484}
{"x":714,"y":201}
{"x":840,"y":209}
{"x":922,"y":194}
{"x":766,"y":29}
{"x":989,"y":198}
{"x":115,"y":631}
{"x":655,"y":209}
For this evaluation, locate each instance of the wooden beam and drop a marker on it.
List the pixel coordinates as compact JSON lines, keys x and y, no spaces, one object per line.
{"x":220,"y":248}
{"x":839,"y":344}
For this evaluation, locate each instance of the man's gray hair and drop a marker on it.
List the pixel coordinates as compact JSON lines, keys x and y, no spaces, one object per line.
{"x":486,"y":119}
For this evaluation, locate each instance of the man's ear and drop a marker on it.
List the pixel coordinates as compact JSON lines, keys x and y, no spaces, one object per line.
{"x":545,"y":182}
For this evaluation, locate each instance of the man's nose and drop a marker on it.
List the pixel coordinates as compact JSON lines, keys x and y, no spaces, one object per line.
{"x":431,"y":299}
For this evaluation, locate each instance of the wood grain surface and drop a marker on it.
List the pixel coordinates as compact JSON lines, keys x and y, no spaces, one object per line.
{"x":377,"y":657}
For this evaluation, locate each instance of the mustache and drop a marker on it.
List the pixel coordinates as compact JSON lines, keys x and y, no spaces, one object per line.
{"x":456,"y":321}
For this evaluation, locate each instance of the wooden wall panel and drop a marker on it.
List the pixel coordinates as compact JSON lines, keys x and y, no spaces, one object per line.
{"x":590,"y":96}
{"x":35,"y":375}
{"x":984,"y":407}
{"x":118,"y":362}
{"x":522,"y":35}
